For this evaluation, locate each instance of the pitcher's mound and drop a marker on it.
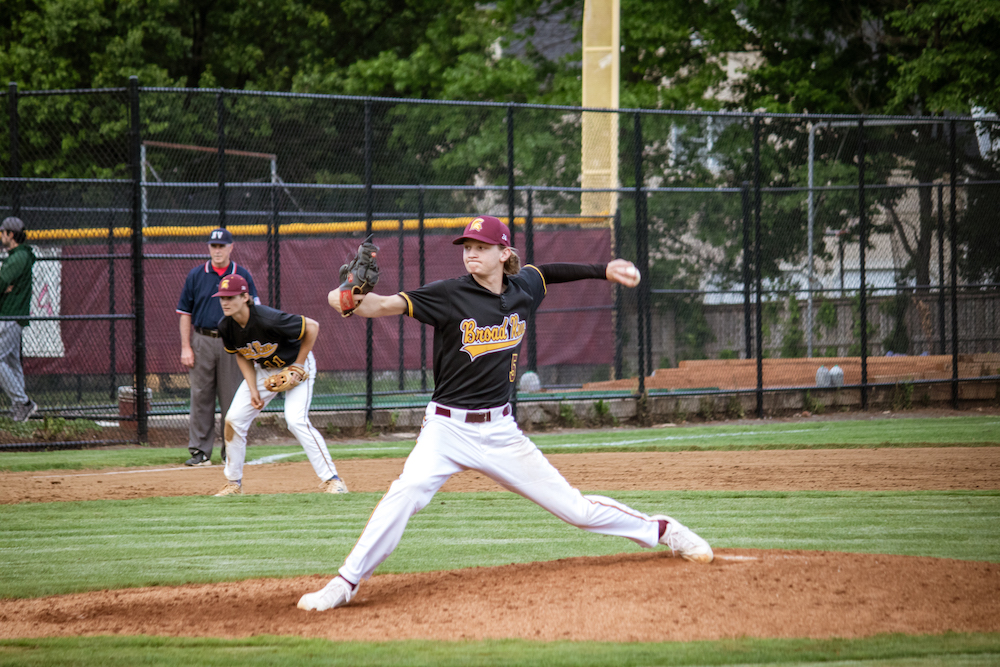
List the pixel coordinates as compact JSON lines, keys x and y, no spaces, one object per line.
{"x":644,"y":597}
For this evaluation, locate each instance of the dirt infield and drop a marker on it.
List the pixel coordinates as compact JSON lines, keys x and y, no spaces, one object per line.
{"x":918,"y":469}
{"x":647,"y":596}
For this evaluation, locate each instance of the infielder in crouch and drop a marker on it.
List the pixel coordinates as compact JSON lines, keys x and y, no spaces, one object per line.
{"x":479,"y":322}
{"x":274,"y":352}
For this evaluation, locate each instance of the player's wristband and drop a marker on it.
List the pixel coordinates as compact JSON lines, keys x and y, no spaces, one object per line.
{"x":347,"y":302}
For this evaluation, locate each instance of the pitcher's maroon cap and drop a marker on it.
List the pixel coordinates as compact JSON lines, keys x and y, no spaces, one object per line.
{"x":232,"y":285}
{"x":487,"y":229}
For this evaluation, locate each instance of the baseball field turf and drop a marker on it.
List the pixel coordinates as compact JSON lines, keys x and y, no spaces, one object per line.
{"x":102,"y":545}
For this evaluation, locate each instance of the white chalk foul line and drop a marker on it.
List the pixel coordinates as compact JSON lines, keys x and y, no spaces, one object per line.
{"x":615,"y":443}
{"x":681,"y":437}
{"x":278,"y":457}
{"x":265,"y":459}
{"x":271,"y":459}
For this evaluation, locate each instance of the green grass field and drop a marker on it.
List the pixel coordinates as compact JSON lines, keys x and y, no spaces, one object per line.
{"x":53,"y":548}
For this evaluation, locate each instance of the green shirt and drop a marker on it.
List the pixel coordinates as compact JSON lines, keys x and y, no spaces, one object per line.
{"x":15,"y":272}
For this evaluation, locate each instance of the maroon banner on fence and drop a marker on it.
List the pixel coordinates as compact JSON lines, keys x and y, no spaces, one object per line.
{"x":310,"y":269}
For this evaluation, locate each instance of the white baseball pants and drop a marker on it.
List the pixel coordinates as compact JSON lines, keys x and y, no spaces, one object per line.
{"x":498,"y":449}
{"x":297,"y":401}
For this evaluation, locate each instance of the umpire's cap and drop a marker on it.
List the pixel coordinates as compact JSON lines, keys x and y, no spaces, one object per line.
{"x":220,"y":236}
{"x":487,"y":229}
{"x":232,"y":285}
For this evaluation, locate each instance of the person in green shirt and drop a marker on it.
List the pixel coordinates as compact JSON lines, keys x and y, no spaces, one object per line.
{"x":15,"y":298}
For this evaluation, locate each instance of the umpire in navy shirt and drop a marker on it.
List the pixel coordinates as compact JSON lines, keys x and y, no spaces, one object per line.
{"x":213,"y":373}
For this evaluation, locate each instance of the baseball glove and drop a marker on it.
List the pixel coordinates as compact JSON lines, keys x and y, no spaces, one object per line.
{"x":285,"y":379}
{"x":358,"y":276}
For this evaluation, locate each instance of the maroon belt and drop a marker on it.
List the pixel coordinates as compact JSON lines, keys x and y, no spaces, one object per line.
{"x":471,"y":417}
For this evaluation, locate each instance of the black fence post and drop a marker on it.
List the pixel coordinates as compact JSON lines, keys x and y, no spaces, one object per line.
{"x":747,"y":275}
{"x":640,"y":251}
{"x":529,"y":257}
{"x":15,"y":149}
{"x":220,"y":113}
{"x":941,"y":283}
{"x":759,"y":333}
{"x":269,"y":244}
{"x":400,"y":268}
{"x":422,"y":261}
{"x":618,"y":314}
{"x":112,"y":338}
{"x":369,"y":215}
{"x":274,"y":248}
{"x":953,"y":158}
{"x":862,"y":243}
{"x":510,"y":171}
{"x":138,"y":286}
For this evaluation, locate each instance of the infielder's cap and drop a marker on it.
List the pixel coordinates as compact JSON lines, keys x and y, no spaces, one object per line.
{"x":487,"y":229}
{"x":12,"y":224}
{"x":220,"y":235}
{"x":233,"y":285}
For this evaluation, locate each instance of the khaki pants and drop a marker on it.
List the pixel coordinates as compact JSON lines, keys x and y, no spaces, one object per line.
{"x":215,"y":376}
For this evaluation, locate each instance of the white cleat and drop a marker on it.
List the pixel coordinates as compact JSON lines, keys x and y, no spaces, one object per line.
{"x":337,"y":593}
{"x":684,"y":541}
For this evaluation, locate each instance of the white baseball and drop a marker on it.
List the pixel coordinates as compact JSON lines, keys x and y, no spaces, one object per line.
{"x":632,"y":272}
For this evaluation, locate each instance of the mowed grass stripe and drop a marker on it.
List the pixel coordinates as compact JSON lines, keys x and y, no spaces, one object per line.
{"x":964,"y":650}
{"x":54,"y":548}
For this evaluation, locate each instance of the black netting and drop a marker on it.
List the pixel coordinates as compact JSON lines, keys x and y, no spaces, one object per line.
{"x":774,"y":249}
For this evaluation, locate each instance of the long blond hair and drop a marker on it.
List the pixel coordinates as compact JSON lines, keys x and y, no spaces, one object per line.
{"x":513,"y":263}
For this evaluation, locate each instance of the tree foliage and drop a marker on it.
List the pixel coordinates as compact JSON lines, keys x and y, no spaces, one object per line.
{"x":856,"y":56}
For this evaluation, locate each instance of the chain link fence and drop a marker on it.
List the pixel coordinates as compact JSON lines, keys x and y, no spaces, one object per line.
{"x":779,"y":253}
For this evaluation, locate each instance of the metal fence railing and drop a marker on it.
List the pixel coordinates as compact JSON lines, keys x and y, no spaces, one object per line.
{"x":858,"y":242}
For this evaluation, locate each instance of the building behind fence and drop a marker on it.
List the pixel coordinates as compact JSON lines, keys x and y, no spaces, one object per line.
{"x":754,"y":233}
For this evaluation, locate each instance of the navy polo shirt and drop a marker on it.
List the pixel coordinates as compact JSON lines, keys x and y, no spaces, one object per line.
{"x":196,"y":297}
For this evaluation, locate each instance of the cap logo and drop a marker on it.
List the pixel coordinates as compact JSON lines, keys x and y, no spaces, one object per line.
{"x":225,"y":284}
{"x":217,"y":234}
{"x":503,"y":236}
{"x":476,"y":225}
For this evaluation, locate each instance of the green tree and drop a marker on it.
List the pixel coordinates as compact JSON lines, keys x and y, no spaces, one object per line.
{"x":793,"y":342}
{"x":950,"y":62}
{"x":882,"y":57}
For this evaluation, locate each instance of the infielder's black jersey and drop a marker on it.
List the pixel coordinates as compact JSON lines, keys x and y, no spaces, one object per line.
{"x":477,"y":334}
{"x":271,"y":338}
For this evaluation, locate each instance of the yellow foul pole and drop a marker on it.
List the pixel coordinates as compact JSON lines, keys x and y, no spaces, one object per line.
{"x":601,"y":49}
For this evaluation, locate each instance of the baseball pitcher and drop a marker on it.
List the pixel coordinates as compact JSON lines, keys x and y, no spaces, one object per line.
{"x":479,"y":322}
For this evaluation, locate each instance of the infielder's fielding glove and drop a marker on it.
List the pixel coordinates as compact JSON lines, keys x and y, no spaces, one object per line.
{"x":285,"y":379}
{"x":358,"y":276}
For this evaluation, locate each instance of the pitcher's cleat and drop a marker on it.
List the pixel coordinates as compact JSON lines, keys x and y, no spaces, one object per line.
{"x":683,"y":541}
{"x":337,"y":593}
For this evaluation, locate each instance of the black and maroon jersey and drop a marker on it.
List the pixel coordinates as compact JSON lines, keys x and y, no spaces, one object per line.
{"x":478,"y":334}
{"x":271,"y":338}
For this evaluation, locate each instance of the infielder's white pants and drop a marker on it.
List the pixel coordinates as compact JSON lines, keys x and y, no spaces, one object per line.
{"x":498,"y":449}
{"x":297,"y":401}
